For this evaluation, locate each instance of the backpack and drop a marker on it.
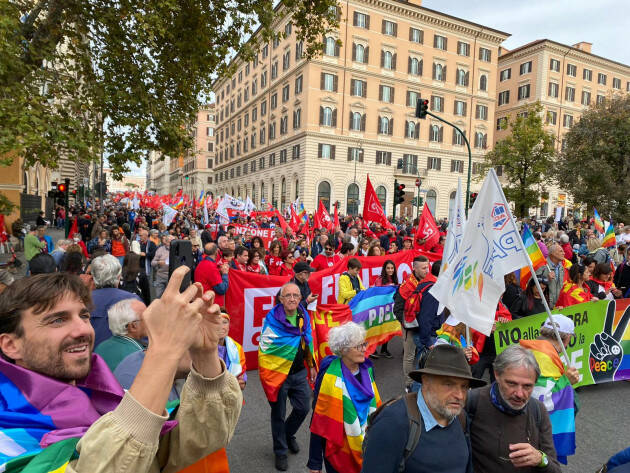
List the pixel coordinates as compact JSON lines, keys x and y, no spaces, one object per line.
{"x":413,"y":303}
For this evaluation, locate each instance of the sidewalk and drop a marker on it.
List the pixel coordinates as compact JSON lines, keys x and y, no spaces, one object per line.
{"x":54,"y":233}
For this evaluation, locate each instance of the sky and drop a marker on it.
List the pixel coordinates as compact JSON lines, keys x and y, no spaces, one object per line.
{"x":605,"y":23}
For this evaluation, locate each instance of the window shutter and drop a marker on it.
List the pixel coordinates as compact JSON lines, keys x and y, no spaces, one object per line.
{"x":445,"y":44}
{"x":452,"y":165}
{"x":435,"y":41}
{"x":391,"y":126}
{"x":352,"y":84}
{"x":389,"y":158}
{"x":380,"y":92}
{"x":321,"y":115}
{"x":360,"y":155}
{"x":395,"y":29}
{"x":441,"y":135}
{"x":408,"y":98}
{"x":465,"y":108}
{"x":420,"y":64}
{"x":366,"y":55}
{"x":349,"y":154}
{"x":354,"y":19}
{"x":332,"y":152}
{"x":392,"y":94}
{"x":378,"y":125}
{"x":444,"y":74}
{"x":428,"y":162}
{"x":367,"y":22}
{"x":434,"y":71}
{"x":406,"y":128}
{"x":351,"y":121}
{"x":354,"y":51}
{"x":321,"y":81}
{"x":410,"y":34}
{"x":335,"y":83}
{"x":409,"y":65}
{"x":336,"y":49}
{"x":455,"y":107}
{"x":394,"y":61}
{"x":383,"y":26}
{"x":338,"y":13}
{"x":364,"y":89}
{"x":477,"y":112}
{"x":334,"y":118}
{"x":319,"y":150}
{"x":363,"y":118}
{"x":466,"y":77}
{"x":485,"y":141}
{"x":382,"y":58}
{"x":454,"y":136}
{"x":417,"y":131}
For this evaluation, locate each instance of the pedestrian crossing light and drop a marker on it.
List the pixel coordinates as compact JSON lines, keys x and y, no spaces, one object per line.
{"x":422,"y":107}
{"x":399,"y":195}
{"x":473,"y":197}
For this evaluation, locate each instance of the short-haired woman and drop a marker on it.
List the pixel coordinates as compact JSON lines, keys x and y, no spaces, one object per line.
{"x":345,"y":395}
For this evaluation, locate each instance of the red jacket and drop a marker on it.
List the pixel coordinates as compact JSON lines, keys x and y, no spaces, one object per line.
{"x":321,"y":261}
{"x":208,"y":274}
{"x":478,"y":338}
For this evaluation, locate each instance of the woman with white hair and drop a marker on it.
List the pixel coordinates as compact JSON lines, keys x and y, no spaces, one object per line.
{"x":345,"y":395}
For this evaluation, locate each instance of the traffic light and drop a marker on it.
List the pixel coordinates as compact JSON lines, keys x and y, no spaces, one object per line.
{"x":399,"y":193}
{"x":473,"y":197}
{"x":422,"y":107}
{"x":420,"y":201}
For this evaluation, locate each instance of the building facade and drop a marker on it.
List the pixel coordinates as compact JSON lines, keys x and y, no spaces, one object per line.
{"x":129,"y":182}
{"x":566,"y":80}
{"x":197,"y":172}
{"x":287,"y":127}
{"x":158,"y":167}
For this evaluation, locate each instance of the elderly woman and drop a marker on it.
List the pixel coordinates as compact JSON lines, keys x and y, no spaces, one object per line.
{"x":345,"y":395}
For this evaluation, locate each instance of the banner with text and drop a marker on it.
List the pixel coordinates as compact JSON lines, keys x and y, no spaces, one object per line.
{"x":266,"y":234}
{"x":600,"y":349}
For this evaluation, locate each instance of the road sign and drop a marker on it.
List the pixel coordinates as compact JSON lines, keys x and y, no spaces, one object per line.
{"x":418,"y":182}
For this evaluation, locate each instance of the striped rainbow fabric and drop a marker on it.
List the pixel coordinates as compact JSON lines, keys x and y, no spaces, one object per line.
{"x":623,"y":372}
{"x":374,"y":309}
{"x":533,"y":250}
{"x":278,"y":345}
{"x":554,"y":390}
{"x":341,"y":412}
{"x":599,"y":224}
{"x":609,"y":237}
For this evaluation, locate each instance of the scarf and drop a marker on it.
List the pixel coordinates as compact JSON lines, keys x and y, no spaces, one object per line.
{"x":278,"y":346}
{"x":235,"y":357}
{"x":341,"y":411}
{"x":497,"y":401}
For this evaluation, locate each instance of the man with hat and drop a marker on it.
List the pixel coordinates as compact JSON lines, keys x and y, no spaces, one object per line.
{"x":302,"y":272}
{"x":424,"y":431}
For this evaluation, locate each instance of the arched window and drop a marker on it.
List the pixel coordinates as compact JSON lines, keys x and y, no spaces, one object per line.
{"x":327,"y":119}
{"x":359,"y":53}
{"x":388,"y":60}
{"x":435,"y":133}
{"x":381,"y":193}
{"x":411,"y":130}
{"x":356,"y":121}
{"x":451,"y":205}
{"x":352,"y":200}
{"x":384,"y":126}
{"x":431,"y":201}
{"x":272,"y":199}
{"x":283,"y":194}
{"x":415,"y":67}
{"x":323,"y":194}
{"x":483,"y":82}
{"x":25,"y":182}
{"x":297,"y":188}
{"x":263,"y":197}
{"x":330,"y":46}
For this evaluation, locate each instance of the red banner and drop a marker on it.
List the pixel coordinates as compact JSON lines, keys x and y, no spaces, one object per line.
{"x":323,"y":319}
{"x":265,"y":233}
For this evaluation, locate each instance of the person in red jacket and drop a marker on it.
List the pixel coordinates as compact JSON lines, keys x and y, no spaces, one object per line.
{"x":286,"y":268}
{"x":210,"y":275}
{"x":326,"y":259}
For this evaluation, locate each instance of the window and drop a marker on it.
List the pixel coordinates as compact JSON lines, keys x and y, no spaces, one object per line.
{"x":414,"y":66}
{"x":274,"y":70}
{"x":481,"y":140}
{"x":501,"y":123}
{"x":283,"y":156}
{"x":431,"y":201}
{"x":238,"y":124}
{"x":388,"y":60}
{"x":209,"y":131}
{"x":283,"y":193}
{"x":601,"y":78}
{"x":436,"y":133}
{"x":505,"y":74}
{"x":357,"y":121}
{"x":272,"y":160}
{"x":253,"y":140}
{"x":440,"y":42}
{"x":439,"y":72}
{"x":463,"y":49}
{"x":571,"y":70}
{"x":299,"y":49}
{"x":287,"y":29}
{"x":554,"y":65}
{"x":485,"y":55}
{"x":386,"y":94}
{"x":331,"y":48}
{"x":461,"y":77}
{"x":274,"y":101}
{"x":412,"y":98}
{"x":246,"y":95}
{"x":616,"y":84}
{"x":210,"y":146}
{"x":284,"y":125}
{"x":254,"y":87}
{"x":323,"y":194}
{"x":412,"y":130}
{"x":352,"y":201}
{"x":434,"y":163}
{"x":457,"y":165}
{"x":254,"y":114}
{"x":385,"y":125}
{"x":358,"y":88}
{"x":263,"y":79}
{"x":416,"y":35}
{"x":360,"y":53}
{"x":600,"y":99}
{"x":262,"y":135}
{"x":526,"y":67}
{"x":240,"y":77}
{"x":569,"y":94}
{"x":554,"y":90}
{"x":297,"y":118}
{"x":272,"y":131}
{"x":355,"y":154}
{"x":326,"y":151}
{"x":458,"y":138}
{"x":523,"y":92}
{"x":381,"y":194}
{"x":552,"y":117}
{"x":587,"y":74}
{"x":276,"y":42}
{"x":481,"y":112}
{"x":459,"y":108}
{"x":567,"y":121}
{"x":389,"y":28}
{"x":285,"y":93}
{"x":298,"y":85}
{"x":483,"y":83}
{"x":328,"y":82}
{"x":437,"y":103}
{"x":410,"y":164}
{"x":384,"y":157}
{"x":361,"y":20}
{"x":286,"y":60}
{"x":327,"y":116}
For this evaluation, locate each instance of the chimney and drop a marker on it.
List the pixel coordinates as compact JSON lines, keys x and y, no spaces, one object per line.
{"x":583,"y":46}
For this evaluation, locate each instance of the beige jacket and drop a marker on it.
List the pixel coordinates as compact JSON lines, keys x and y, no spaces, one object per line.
{"x":127,"y":440}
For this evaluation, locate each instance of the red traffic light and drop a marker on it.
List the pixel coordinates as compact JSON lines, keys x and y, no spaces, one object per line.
{"x":62,"y":187}
{"x":401,"y":187}
{"x":74,"y":192}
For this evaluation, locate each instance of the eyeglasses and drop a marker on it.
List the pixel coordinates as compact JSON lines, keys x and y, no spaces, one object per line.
{"x":360,"y":347}
{"x":292,"y":296}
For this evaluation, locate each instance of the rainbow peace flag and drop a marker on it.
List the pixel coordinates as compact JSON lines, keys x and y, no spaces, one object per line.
{"x":179,"y":204}
{"x":374,"y":309}
{"x":623,"y":372}
{"x":278,"y":345}
{"x":533,"y":250}
{"x":599,"y":224}
{"x":202,"y":200}
{"x":609,"y":237}
{"x":554,"y":390}
{"x":342,"y":410}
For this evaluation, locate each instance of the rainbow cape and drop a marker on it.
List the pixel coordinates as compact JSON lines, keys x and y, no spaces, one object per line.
{"x":341,"y":411}
{"x":533,"y":250}
{"x":554,"y":390}
{"x":235,"y":356}
{"x":609,"y":237}
{"x":599,"y":224}
{"x":374,"y":309}
{"x":278,"y":345}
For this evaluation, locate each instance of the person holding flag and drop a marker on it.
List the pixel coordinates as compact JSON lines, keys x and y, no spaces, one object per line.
{"x":555,"y":272}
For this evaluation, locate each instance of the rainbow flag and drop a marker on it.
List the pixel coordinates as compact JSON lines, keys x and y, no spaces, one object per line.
{"x":179,"y":204}
{"x":202,"y":200}
{"x":278,"y":345}
{"x":533,"y":250}
{"x":621,"y":307}
{"x":342,"y":410}
{"x":599,"y":224}
{"x":609,"y":237}
{"x":374,"y":309}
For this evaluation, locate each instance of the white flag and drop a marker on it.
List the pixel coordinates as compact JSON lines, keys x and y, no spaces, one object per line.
{"x":491,"y":247}
{"x":455,"y":232}
{"x":249,"y":206}
{"x":169,"y":214}
{"x":229,"y":202}
{"x":206,"y":219}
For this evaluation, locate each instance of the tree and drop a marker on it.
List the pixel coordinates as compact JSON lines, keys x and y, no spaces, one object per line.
{"x":82,"y":77}
{"x":526,"y":157}
{"x":595,"y":164}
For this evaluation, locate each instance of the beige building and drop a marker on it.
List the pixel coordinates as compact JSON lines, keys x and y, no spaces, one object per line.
{"x":566,"y":80}
{"x":197,"y":172}
{"x":129,"y":182}
{"x":287,"y":127}
{"x":158,"y":171}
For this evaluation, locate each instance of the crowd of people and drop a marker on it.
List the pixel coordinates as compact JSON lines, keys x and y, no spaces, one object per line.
{"x":109,"y":289}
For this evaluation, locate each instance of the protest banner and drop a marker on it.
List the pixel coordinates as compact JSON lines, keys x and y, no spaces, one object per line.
{"x":600,"y":349}
{"x":265,"y":233}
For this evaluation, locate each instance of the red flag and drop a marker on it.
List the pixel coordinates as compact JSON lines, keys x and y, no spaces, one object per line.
{"x":322,"y":218}
{"x":3,"y":230}
{"x":75,"y":227}
{"x":282,"y":221}
{"x":427,"y":230}
{"x":336,"y":221}
{"x":294,"y":223}
{"x":372,"y":209}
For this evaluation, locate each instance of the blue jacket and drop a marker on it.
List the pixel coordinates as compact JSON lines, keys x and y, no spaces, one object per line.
{"x":102,"y":300}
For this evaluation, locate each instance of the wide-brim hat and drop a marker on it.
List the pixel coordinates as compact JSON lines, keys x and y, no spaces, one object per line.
{"x":447,"y":360}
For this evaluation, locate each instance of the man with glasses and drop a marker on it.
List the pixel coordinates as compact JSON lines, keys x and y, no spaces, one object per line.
{"x":285,"y":352}
{"x":302,"y":272}
{"x":326,"y":259}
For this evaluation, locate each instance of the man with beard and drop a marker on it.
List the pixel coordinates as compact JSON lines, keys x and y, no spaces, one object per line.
{"x":425,"y":431}
{"x":510,"y":431}
{"x":53,"y":385}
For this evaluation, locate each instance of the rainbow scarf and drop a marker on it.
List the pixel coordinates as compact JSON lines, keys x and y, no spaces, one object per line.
{"x":278,"y":345}
{"x":235,"y":356}
{"x":554,"y":390}
{"x":448,"y":334}
{"x":341,"y":411}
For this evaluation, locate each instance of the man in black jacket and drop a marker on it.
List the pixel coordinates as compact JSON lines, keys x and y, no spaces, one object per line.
{"x":147,"y":252}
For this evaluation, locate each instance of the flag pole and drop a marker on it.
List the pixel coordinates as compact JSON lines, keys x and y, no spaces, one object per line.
{"x":531,"y":269}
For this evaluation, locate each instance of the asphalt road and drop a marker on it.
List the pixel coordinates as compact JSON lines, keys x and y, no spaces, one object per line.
{"x":603,"y":423}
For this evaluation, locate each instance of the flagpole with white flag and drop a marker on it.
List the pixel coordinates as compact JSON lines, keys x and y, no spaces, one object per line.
{"x":540,"y":291}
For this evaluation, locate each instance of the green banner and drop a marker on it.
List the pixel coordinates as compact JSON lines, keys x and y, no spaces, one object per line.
{"x":600,"y":349}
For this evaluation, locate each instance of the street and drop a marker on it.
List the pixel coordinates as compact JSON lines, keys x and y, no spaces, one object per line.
{"x":603,"y":423}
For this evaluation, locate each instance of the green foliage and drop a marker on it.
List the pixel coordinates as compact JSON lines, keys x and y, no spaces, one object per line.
{"x":6,"y":206}
{"x":595,"y":165}
{"x":77,"y":75}
{"x":526,"y":156}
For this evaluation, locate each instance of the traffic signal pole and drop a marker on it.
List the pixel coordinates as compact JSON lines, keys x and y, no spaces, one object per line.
{"x":395,"y":199}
